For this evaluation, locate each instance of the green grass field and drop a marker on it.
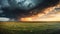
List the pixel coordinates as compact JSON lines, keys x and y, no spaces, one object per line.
{"x":29,"y":28}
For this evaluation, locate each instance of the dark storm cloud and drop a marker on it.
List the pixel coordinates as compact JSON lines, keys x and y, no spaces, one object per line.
{"x":4,"y":3}
{"x":12,"y":9}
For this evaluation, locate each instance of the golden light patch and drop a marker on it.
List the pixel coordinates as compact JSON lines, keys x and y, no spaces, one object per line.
{"x":45,"y":16}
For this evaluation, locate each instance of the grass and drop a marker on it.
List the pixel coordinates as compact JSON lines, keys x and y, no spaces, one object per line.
{"x":29,"y":28}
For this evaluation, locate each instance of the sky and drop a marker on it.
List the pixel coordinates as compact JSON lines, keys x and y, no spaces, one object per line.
{"x":52,"y":16}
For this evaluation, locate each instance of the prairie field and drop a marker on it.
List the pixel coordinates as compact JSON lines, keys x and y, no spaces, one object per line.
{"x":29,"y":28}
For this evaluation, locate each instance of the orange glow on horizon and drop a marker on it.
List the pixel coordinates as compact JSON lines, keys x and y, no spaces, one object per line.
{"x":41,"y":17}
